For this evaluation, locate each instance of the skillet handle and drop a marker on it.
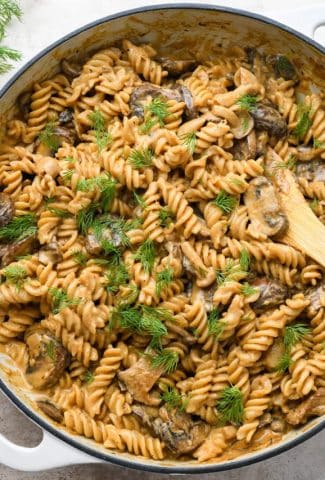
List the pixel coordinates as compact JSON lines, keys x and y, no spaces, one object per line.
{"x":50,"y":453}
{"x":304,"y":19}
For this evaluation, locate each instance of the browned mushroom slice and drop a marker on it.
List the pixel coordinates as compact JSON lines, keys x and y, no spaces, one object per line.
{"x":245,"y":125}
{"x":50,"y":253}
{"x":176,"y":429}
{"x":9,"y":253}
{"x":314,"y":406}
{"x":283,"y":67}
{"x":50,"y":410}
{"x":190,"y":110}
{"x":313,"y":171}
{"x":269,"y":119}
{"x":245,"y":148}
{"x":46,"y":165}
{"x":274,"y":355}
{"x":175,"y":67}
{"x":145,"y":90}
{"x":70,"y":69}
{"x":47,"y":358}
{"x":264,"y":209}
{"x":316,"y":296}
{"x":93,"y":245}
{"x":272,"y":293}
{"x":139,"y":380}
{"x":66,"y":116}
{"x":6,"y":209}
{"x":65,"y":134}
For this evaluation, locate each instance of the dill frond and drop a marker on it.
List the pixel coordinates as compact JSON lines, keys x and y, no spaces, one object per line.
{"x":247,"y":102}
{"x":230,"y":405}
{"x":163,"y":279}
{"x":19,"y":228}
{"x":141,"y":158}
{"x":61,"y":300}
{"x":146,"y":254}
{"x":225,"y":202}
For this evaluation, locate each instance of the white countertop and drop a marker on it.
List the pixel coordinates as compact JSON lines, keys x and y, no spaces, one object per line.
{"x":44,"y":21}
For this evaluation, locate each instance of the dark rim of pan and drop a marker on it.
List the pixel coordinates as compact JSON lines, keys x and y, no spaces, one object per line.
{"x":117,"y":458}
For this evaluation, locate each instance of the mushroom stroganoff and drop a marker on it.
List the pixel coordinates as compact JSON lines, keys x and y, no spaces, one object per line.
{"x":147,"y":294}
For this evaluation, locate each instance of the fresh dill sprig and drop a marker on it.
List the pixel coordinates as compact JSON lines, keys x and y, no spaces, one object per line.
{"x":104,"y":183}
{"x":61,"y":300}
{"x":238,"y":182}
{"x":215,"y":325}
{"x":80,"y":257}
{"x":8,"y":10}
{"x":318,"y":143}
{"x":112,"y":251}
{"x":304,"y":122}
{"x":231,"y":272}
{"x":245,"y":260}
{"x":293,"y":334}
{"x":67,"y":176}
{"x":98,"y":123}
{"x":166,"y":216}
{"x":247,"y":102}
{"x":49,"y":138}
{"x":165,"y":359}
{"x":189,"y":140}
{"x":230,"y":405}
{"x":19,"y":228}
{"x":70,"y":159}
{"x":290,"y":163}
{"x":225,"y":201}
{"x":314,"y":204}
{"x":173,"y":399}
{"x":140,"y":158}
{"x":88,"y":377}
{"x":48,"y":200}
{"x":247,"y":290}
{"x":116,"y":276}
{"x":163,"y":279}
{"x":146,"y":254}
{"x":284,"y":363}
{"x":59,"y":212}
{"x":16,"y":275}
{"x":86,"y":218}
{"x":51,"y":350}
{"x":138,"y":199}
{"x":118,"y":226}
{"x":7,"y":54}
{"x":155,"y":112}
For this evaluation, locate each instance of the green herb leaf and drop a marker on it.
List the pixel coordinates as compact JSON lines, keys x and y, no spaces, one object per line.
{"x":304,"y":121}
{"x":231,"y":405}
{"x":112,"y":251}
{"x":105,"y":184}
{"x":284,"y":363}
{"x":165,"y":359}
{"x":232,"y":272}
{"x":318,"y":144}
{"x":98,"y":123}
{"x":49,"y":138}
{"x":166,"y":216}
{"x":141,"y":158}
{"x":225,"y":202}
{"x":284,"y":67}
{"x":51,"y":350}
{"x":59,"y":212}
{"x":290,"y":163}
{"x":314,"y":204}
{"x":19,"y":228}
{"x":61,"y":300}
{"x":245,"y":260}
{"x":293,"y":334}
{"x":139,"y":200}
{"x":80,"y":257}
{"x":247,"y":102}
{"x":16,"y":275}
{"x":163,"y":279}
{"x":48,"y":200}
{"x":189,"y":140}
{"x":155,"y":112}
{"x":173,"y":399}
{"x":146,"y":254}
{"x":115,"y":277}
{"x":88,"y":377}
{"x":86,"y":218}
{"x":67,"y":176}
{"x":6,"y":54}
{"x":215,"y":325}
{"x":247,"y":290}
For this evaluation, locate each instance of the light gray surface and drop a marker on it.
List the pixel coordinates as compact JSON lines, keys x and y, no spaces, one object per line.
{"x":305,"y":462}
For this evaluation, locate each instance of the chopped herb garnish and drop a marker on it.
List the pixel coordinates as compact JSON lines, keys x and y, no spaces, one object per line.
{"x":86,"y":217}
{"x":166,"y":360}
{"x":284,"y":363}
{"x":115,"y":277}
{"x":247,"y":290}
{"x":98,"y":123}
{"x":293,"y":334}
{"x":16,"y":275}
{"x":245,"y":260}
{"x":51,"y":350}
{"x":231,"y":272}
{"x":215,"y":325}
{"x":112,"y":251}
{"x":146,"y":254}
{"x":166,"y":216}
{"x":8,"y":10}
{"x":155,"y":112}
{"x":189,"y":140}
{"x":290,"y":163}
{"x":59,"y":212}
{"x":164,"y":279}
{"x":230,"y":405}
{"x":225,"y":202}
{"x":284,"y":67}
{"x":141,"y":158}
{"x":105,"y":184}
{"x":49,"y":138}
{"x":88,"y":377}
{"x":304,"y":121}
{"x":314,"y":204}
{"x":318,"y":144}
{"x":19,"y":228}
{"x":48,"y":200}
{"x":80,"y":257}
{"x":139,"y":200}
{"x":247,"y":102}
{"x":173,"y":399}
{"x":67,"y":176}
{"x":61,"y":300}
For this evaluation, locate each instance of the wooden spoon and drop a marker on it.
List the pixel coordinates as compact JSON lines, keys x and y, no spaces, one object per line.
{"x":305,"y":231}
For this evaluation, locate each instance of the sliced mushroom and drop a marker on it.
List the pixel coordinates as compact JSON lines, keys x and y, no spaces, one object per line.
{"x":245,"y":148}
{"x":9,"y":253}
{"x":66,"y":116}
{"x":65,"y":134}
{"x":313,"y":171}
{"x":176,"y":429}
{"x":139,"y":380}
{"x":93,"y":246}
{"x":316,"y":296}
{"x":70,"y":69}
{"x":313,"y":406}
{"x":269,"y":119}
{"x":265,"y":420}
{"x":174,"y":67}
{"x":205,"y":294}
{"x":274,"y":355}
{"x":46,"y":165}
{"x":245,"y":125}
{"x":278,"y":425}
{"x":145,"y":90}
{"x":50,"y":410}
{"x":6,"y":209}
{"x":50,"y":253}
{"x":283,"y":67}
{"x":24,"y":104}
{"x":264,"y":210}
{"x":190,"y":110}
{"x":47,"y":358}
{"x":272,"y":293}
